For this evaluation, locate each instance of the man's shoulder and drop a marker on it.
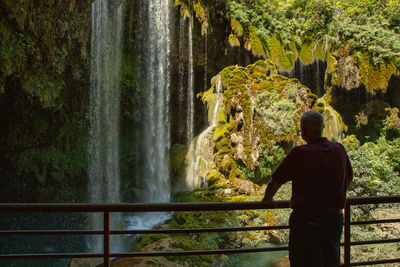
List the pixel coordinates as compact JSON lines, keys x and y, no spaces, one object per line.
{"x":317,"y":147}
{"x":336,"y":145}
{"x":296,"y":149}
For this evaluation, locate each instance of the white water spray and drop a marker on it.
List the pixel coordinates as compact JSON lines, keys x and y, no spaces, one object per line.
{"x":205,"y":54}
{"x":104,"y":170}
{"x":333,"y":128}
{"x":155,"y":47}
{"x":200,"y":152}
{"x":157,"y":139}
{"x":190,"y":94}
{"x":181,"y":69}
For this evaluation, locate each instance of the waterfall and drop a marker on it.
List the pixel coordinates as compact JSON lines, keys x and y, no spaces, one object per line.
{"x":106,"y":45}
{"x":318,"y":85}
{"x":154,"y":49}
{"x":333,"y":127}
{"x":200,"y":152}
{"x":205,"y":56}
{"x":181,"y":69}
{"x":157,"y":139}
{"x":190,"y":95}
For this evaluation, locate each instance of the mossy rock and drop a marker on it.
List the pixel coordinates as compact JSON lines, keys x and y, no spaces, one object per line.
{"x":277,"y":54}
{"x":177,"y":160}
{"x":233,"y":40}
{"x":184,"y":10}
{"x":375,"y":77}
{"x":320,"y":50}
{"x":305,"y":54}
{"x":213,"y":177}
{"x":237,"y":28}
{"x":147,"y":239}
{"x":257,"y":48}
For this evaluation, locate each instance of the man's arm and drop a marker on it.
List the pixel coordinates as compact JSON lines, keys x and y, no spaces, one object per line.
{"x":349,"y":172}
{"x":272,"y":188}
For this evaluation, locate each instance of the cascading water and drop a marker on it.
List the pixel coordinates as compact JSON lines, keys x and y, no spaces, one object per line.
{"x":155,"y":49}
{"x":205,"y":54}
{"x":157,"y":139}
{"x":190,"y":98}
{"x":106,"y":45}
{"x":200,"y":152}
{"x":318,"y":77}
{"x":181,"y":89}
{"x":333,"y":127}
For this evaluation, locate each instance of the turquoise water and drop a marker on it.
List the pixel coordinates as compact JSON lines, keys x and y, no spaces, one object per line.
{"x":258,"y":259}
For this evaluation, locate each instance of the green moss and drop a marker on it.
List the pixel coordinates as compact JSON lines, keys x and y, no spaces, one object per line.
{"x":221,"y":133}
{"x":320,"y":106}
{"x":257,"y":48}
{"x":148,"y":239}
{"x":177,"y":160}
{"x":184,"y":10}
{"x":199,"y":11}
{"x":277,"y":54}
{"x":233,"y":40}
{"x":305,"y":53}
{"x":375,"y":78}
{"x":332,"y":65}
{"x":319,"y":51}
{"x":257,"y":71}
{"x":292,"y":54}
{"x":235,"y":173}
{"x":236,"y":27}
{"x":213,"y":177}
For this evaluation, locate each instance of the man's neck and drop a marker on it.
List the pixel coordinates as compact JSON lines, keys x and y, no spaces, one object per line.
{"x":316,"y":140}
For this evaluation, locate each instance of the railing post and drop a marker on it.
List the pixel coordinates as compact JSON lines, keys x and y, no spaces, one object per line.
{"x":347,"y":235}
{"x":106,"y":239}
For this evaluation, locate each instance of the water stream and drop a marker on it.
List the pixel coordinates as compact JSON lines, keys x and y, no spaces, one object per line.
{"x":154,"y":163}
{"x":106,"y":46}
{"x":200,"y":152}
{"x":181,"y":70}
{"x":190,"y":89}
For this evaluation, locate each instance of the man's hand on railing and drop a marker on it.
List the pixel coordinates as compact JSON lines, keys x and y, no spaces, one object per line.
{"x":269,"y":201}
{"x":270,"y":191}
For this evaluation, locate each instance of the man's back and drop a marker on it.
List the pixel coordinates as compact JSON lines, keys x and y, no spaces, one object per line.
{"x":319,"y":172}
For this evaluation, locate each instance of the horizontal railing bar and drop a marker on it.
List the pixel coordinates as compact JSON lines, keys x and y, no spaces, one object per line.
{"x":51,"y":232}
{"x":50,"y":256}
{"x":197,"y":252}
{"x":140,"y":207}
{"x":372,"y":242}
{"x":143,"y":254}
{"x":199,"y":230}
{"x":376,"y":221}
{"x":157,"y":207}
{"x":153,"y":231}
{"x":374,"y":262}
{"x":373,"y":200}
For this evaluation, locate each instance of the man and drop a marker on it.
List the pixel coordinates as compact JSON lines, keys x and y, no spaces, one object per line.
{"x":320,"y":172}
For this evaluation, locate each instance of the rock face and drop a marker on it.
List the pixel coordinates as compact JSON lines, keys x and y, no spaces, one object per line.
{"x":258,"y":120}
{"x":349,"y":73}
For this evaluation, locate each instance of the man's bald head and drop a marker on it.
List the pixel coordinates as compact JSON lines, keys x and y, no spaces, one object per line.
{"x":312,"y":125}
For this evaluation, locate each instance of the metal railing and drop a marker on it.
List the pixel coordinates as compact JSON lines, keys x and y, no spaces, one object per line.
{"x":106,"y":209}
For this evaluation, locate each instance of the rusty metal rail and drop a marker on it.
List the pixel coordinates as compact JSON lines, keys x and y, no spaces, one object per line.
{"x":106,"y":209}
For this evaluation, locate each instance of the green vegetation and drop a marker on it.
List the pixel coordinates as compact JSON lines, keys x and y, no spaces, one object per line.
{"x":286,"y":30}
